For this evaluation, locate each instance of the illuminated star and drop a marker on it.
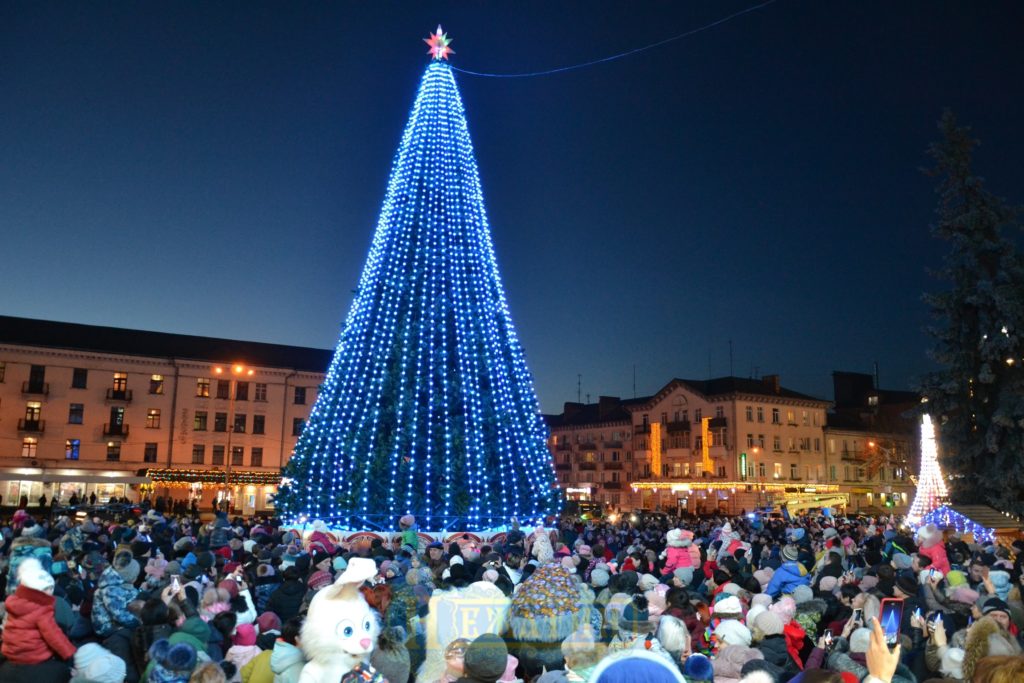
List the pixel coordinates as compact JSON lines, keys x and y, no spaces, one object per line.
{"x":439,"y":43}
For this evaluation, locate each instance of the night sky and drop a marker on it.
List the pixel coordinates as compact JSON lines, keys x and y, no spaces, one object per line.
{"x":217,"y":169}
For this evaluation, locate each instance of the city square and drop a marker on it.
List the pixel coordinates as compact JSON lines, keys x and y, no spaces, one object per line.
{"x":765,"y":359}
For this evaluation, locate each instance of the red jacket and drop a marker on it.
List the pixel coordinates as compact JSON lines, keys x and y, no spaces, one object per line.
{"x":795,"y":635}
{"x":31,"y":635}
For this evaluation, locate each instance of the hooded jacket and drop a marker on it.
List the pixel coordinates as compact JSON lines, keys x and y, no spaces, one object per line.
{"x":985,"y":638}
{"x":786,"y":578}
{"x":842,"y":660}
{"x":286,"y":600}
{"x":31,"y":634}
{"x":776,"y":652}
{"x":110,"y":603}
{"x":286,"y":661}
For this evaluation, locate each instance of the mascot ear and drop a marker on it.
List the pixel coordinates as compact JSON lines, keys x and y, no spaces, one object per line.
{"x":346,"y":586}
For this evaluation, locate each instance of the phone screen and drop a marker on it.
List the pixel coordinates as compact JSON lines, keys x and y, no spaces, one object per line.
{"x":891,"y":616}
{"x":858,"y":615}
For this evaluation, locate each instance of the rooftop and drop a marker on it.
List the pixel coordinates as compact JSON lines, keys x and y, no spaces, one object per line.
{"x":74,"y":336}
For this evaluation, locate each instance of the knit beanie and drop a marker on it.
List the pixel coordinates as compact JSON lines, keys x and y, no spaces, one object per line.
{"x":785,"y":609}
{"x":733,"y":632}
{"x":486,"y":658}
{"x":728,"y":605}
{"x":753,"y":613}
{"x":646,"y":583}
{"x":599,"y":577}
{"x":636,"y":665}
{"x":769,"y":623}
{"x":828,"y":584}
{"x":245,"y":635}
{"x":96,"y":664}
{"x":802,"y":594}
{"x":230,"y":585}
{"x":761,"y":599}
{"x":171,"y":663}
{"x":635,"y":618}
{"x":860,"y":639}
{"x":790,"y":553}
{"x":902,"y":561}
{"x":268,"y":621}
{"x":697,"y":667}
{"x":764,"y":576}
{"x":127,"y":566}
{"x":319,"y":579}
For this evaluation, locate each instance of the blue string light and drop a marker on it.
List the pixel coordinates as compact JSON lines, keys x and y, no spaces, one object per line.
{"x":428,"y":407}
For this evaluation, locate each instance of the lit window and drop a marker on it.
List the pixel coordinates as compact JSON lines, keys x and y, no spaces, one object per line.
{"x":29,"y":447}
{"x":156,"y":384}
{"x":203,"y":387}
{"x":199,"y":423}
{"x":778,"y":470}
{"x":153,"y":418}
{"x":72,"y":448}
{"x":120,"y":382}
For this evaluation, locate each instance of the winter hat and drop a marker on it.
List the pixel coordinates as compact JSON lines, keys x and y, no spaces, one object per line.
{"x":830,"y":532}
{"x":245,"y":635}
{"x":753,"y":613}
{"x":868,"y":582}
{"x":860,"y":639}
{"x":486,"y":658}
{"x":906,"y":583}
{"x":634,"y":665}
{"x":902,"y":561}
{"x":965,"y":595}
{"x":761,"y":599}
{"x":140,"y":549}
{"x":785,"y":608}
{"x":268,"y":621}
{"x":230,"y":585}
{"x":790,"y":553}
{"x":730,"y":661}
{"x":995,"y":605}
{"x":802,"y":594}
{"x":1001,"y":581}
{"x":635,"y":618}
{"x":32,"y":575}
{"x":156,"y":566}
{"x":646,"y":583}
{"x":339,"y":563}
{"x":731,"y":589}
{"x":547,"y":606}
{"x":319,"y":579}
{"x":599,"y":577}
{"x":828,"y":584}
{"x":769,"y":623}
{"x":763,"y":576}
{"x":728,"y":605}
{"x":697,"y":667}
{"x":727,"y":528}
{"x":96,"y":664}
{"x":171,"y":663}
{"x":127,"y":566}
{"x":956,"y":578}
{"x":952,"y":663}
{"x":264,"y":570}
{"x":733,"y":632}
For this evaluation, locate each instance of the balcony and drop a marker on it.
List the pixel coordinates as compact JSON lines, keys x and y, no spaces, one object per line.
{"x":26,"y":425}
{"x":677,"y":427}
{"x":563,"y":467}
{"x":612,"y":485}
{"x":642,"y":429}
{"x":588,"y":446}
{"x":588,"y":466}
{"x":718,"y":423}
{"x":119,"y":395}
{"x":850,"y":455}
{"x":613,"y":444}
{"x":617,"y":465}
{"x":40,"y":388}
{"x":115,"y":430}
{"x":563,"y":447}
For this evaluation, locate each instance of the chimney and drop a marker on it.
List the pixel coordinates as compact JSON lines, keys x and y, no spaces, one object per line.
{"x":772,"y":383}
{"x":606,"y":405}
{"x":571,"y":409}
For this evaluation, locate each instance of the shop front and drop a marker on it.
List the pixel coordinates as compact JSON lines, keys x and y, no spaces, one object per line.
{"x":243,"y":492}
{"x":29,"y":484}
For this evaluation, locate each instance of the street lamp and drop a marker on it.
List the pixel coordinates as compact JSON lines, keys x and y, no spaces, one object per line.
{"x":237,"y":370}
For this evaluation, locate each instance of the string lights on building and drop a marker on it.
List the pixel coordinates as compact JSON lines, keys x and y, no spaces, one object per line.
{"x":428,"y":407}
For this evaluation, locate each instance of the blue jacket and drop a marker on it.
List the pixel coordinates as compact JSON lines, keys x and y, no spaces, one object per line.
{"x":110,"y":604}
{"x":786,"y":578}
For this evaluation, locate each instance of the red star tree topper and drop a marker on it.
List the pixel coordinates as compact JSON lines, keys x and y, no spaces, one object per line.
{"x":439,"y":43}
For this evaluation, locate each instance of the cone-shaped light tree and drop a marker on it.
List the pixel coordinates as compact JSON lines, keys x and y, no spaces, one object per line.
{"x":931,"y":487}
{"x":428,"y":407}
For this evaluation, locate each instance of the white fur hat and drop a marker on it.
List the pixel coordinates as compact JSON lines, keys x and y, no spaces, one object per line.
{"x":32,"y":575}
{"x":952,"y":663}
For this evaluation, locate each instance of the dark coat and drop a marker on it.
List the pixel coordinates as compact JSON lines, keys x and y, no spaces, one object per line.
{"x":286,"y":600}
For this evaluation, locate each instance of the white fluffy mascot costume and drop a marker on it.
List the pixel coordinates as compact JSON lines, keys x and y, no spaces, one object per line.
{"x":340,"y":630}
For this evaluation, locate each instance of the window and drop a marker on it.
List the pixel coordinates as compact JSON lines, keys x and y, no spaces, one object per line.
{"x":29,"y":447}
{"x":831,"y":445}
{"x":33,"y":410}
{"x":817,"y":445}
{"x":198,"y":454}
{"x":203,"y":387}
{"x":220,"y":422}
{"x":79,"y":378}
{"x":261,"y":392}
{"x":761,"y":470}
{"x":778,"y":470}
{"x":153,"y":418}
{"x":806,"y":418}
{"x":698,"y":442}
{"x":240,"y":420}
{"x":721,"y":470}
{"x":3,"y":370}
{"x":750,"y":413}
{"x":792,"y":471}
{"x":760,"y":414}
{"x":791,"y":417}
{"x":872,"y":400}
{"x":149,"y":453}
{"x":760,"y":440}
{"x":156,"y":384}
{"x":750,"y":440}
{"x":258,"y":424}
{"x":297,"y":424}
{"x":237,"y":455}
{"x":36,"y":379}
{"x":776,"y":420}
{"x":72,"y":448}
{"x":697,"y":414}
{"x":791,"y":442}
{"x":776,"y":443}
{"x":719,"y":411}
{"x":199,"y":423}
{"x":686,"y":469}
{"x":120,"y":382}
{"x":76,"y":413}
{"x":113,"y":451}
{"x":218,"y":455}
{"x":223,"y":388}
{"x":300,"y":396}
{"x":257,"y":457}
{"x":242,"y":391}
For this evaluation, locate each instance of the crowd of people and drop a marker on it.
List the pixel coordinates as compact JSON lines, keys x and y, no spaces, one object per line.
{"x":167,"y":598}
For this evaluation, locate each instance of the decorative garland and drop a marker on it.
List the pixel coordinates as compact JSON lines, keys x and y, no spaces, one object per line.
{"x":187,"y":477}
{"x":945,"y":517}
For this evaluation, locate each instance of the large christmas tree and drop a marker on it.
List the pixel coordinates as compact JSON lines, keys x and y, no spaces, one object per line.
{"x":428,"y":407}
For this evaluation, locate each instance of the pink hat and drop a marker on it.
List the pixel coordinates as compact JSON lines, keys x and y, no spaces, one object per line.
{"x":510,"y":671}
{"x":245,"y":635}
{"x":319,"y":579}
{"x":268,"y":621}
{"x":828,"y":584}
{"x":965,"y":595}
{"x":784,"y":609}
{"x":230,"y":585}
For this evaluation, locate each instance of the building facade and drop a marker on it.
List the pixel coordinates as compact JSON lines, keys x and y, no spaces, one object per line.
{"x":122,"y":413}
{"x":727,"y":444}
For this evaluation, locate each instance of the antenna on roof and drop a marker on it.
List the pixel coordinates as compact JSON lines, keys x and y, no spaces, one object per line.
{"x":730,"y":357}
{"x":634,"y":380}
{"x":579,"y":388}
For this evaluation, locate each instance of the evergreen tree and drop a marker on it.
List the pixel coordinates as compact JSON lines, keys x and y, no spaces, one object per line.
{"x":428,"y":407}
{"x":977,"y":397}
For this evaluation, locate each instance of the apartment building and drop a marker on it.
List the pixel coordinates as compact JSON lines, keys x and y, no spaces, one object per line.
{"x":117,"y":412}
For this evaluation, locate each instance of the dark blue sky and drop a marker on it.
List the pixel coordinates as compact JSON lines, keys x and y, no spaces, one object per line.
{"x":217,"y":169}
